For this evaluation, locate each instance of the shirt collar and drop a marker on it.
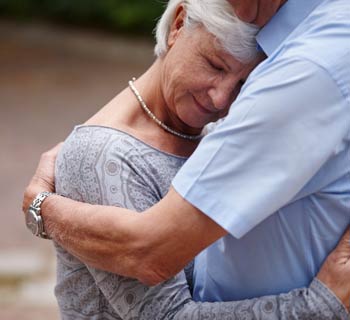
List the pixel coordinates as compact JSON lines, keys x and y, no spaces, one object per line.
{"x":291,"y":14}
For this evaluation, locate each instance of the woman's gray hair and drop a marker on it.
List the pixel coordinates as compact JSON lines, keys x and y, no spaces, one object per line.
{"x":217,"y":16}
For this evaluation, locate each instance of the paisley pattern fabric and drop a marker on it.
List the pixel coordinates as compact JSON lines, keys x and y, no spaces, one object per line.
{"x":101,"y":165}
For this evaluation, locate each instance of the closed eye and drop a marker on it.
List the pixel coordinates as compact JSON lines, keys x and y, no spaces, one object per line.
{"x":215,"y":66}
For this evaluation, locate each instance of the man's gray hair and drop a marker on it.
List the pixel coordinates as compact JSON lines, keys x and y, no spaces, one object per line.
{"x":217,"y":16}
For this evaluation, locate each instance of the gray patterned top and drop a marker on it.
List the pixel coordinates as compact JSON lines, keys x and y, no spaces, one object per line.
{"x":101,"y":165}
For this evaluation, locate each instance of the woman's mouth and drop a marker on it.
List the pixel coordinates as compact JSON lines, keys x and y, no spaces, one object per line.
{"x":201,"y":107}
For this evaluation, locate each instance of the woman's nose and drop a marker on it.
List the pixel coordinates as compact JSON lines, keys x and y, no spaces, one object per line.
{"x":220,"y":96}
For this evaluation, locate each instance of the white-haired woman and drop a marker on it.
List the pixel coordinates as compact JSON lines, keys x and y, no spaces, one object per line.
{"x":127,"y":154}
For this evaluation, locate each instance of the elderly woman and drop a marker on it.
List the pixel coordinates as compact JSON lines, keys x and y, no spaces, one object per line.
{"x":127,"y":154}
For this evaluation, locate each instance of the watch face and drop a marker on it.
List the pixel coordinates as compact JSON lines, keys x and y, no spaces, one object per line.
{"x":32,"y":221}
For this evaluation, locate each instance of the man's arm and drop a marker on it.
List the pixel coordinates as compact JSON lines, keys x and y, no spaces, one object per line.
{"x":119,"y":240}
{"x":94,"y":238}
{"x":131,"y":244}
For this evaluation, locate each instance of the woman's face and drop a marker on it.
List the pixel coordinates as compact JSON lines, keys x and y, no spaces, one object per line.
{"x":199,"y":80}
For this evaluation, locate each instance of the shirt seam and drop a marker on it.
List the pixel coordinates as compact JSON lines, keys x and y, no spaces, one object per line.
{"x":338,"y":82}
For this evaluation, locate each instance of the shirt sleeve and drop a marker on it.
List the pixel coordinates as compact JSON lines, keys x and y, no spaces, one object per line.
{"x":289,"y":120}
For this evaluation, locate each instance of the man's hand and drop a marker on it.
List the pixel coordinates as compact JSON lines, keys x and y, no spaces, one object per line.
{"x":44,"y":177}
{"x":335,"y":272}
{"x":258,"y":12}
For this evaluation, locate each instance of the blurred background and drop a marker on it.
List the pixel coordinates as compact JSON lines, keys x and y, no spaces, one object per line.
{"x":60,"y":61}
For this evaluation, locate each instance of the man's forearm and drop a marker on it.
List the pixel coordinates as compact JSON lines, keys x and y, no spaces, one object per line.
{"x":151,"y":247}
{"x":92,"y":233}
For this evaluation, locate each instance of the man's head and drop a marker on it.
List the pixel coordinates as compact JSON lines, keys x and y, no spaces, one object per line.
{"x":258,"y":12}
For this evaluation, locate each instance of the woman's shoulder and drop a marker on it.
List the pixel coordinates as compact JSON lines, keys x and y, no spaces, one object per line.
{"x":95,"y":140}
{"x":108,"y":157}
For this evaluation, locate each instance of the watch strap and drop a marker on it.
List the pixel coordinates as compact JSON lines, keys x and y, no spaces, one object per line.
{"x":36,"y":205}
{"x":39,"y":199}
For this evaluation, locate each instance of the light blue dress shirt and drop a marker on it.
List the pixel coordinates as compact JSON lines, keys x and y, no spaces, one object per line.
{"x":276,"y":173}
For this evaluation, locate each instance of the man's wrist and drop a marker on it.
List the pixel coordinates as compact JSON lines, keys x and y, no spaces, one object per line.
{"x":34,"y":219}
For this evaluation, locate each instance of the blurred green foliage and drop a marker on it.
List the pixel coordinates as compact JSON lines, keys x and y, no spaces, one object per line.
{"x":136,"y":16}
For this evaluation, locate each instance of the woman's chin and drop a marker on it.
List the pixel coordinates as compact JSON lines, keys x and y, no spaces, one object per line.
{"x":193,"y":129}
{"x":196,"y":127}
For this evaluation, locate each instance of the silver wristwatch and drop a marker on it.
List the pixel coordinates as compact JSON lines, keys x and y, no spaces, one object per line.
{"x":34,"y":219}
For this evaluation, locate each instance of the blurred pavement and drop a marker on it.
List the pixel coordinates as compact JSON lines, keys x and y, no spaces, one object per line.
{"x":51,"y":78}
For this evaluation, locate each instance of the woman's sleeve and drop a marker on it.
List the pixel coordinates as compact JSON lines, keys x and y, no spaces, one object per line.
{"x":314,"y":302}
{"x":172,"y":300}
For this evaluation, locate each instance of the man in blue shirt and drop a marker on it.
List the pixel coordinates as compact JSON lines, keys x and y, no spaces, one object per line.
{"x":271,"y":185}
{"x":275,"y":173}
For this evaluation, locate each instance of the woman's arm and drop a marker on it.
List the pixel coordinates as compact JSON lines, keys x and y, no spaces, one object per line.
{"x":327,"y":297}
{"x":315,"y":302}
{"x":172,"y":300}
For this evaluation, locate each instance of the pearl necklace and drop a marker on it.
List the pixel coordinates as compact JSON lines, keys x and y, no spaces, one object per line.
{"x":155,"y":119}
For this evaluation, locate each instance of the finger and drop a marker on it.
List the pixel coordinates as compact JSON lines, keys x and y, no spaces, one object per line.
{"x":54,"y":151}
{"x":246,"y":10}
{"x":45,"y":172}
{"x":44,"y":177}
{"x":48,"y":158}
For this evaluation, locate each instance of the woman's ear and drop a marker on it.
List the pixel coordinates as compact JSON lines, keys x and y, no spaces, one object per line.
{"x":177,"y":25}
